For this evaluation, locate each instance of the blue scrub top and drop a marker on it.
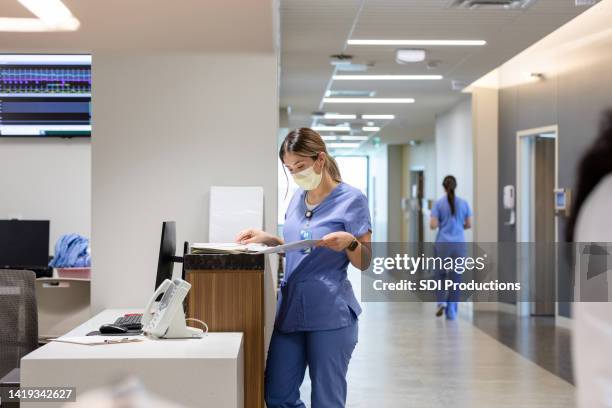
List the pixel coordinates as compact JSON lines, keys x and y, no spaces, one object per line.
{"x":451,"y":226}
{"x":315,"y":293}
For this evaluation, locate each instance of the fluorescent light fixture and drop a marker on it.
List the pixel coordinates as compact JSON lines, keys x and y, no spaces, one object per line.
{"x":354,"y":138}
{"x":368,"y":100}
{"x":386,"y":77}
{"x":417,"y":42}
{"x":371,"y":124}
{"x":329,"y":138}
{"x":370,"y":128}
{"x":338,"y":116}
{"x":343,"y":145}
{"x":332,"y":128}
{"x":408,"y":56}
{"x":52,"y":15}
{"x":377,"y":116}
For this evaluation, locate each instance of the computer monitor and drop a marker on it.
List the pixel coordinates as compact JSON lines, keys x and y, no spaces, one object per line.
{"x":45,"y":95}
{"x":167,"y":250}
{"x":24,"y":244}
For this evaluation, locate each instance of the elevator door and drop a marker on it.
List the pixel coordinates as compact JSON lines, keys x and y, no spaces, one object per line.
{"x":543,"y":282}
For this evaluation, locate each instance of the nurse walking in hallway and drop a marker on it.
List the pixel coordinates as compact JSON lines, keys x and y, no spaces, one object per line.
{"x":316,"y":319}
{"x":451,"y":215}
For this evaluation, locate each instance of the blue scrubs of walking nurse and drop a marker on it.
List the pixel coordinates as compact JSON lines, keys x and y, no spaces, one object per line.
{"x":316,"y":319}
{"x":451,"y":215}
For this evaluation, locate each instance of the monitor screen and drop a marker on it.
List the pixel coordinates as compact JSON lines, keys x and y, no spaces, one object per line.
{"x":45,"y":95}
{"x":167,"y":249}
{"x":24,"y":244}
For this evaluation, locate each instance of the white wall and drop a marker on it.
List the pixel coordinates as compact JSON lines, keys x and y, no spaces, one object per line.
{"x":485,"y":120}
{"x":47,"y":179}
{"x":454,"y":152}
{"x":166,"y":128}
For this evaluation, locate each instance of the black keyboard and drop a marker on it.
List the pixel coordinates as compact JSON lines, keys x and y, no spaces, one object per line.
{"x":130,"y":322}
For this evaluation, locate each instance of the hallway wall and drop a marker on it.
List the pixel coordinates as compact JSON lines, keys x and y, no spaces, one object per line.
{"x":575,"y":63}
{"x":454,"y":151}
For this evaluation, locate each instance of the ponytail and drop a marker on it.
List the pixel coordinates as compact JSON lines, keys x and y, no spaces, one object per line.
{"x":450,"y":184}
{"x":332,"y":168}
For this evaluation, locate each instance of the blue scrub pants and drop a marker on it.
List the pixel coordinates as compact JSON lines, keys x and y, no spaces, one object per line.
{"x":326,"y":353}
{"x":449,"y":298}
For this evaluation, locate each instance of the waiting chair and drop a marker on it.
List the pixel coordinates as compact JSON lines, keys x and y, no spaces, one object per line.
{"x":18,"y":321}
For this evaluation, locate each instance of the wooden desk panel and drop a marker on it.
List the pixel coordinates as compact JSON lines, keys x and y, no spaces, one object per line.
{"x":231,"y":300}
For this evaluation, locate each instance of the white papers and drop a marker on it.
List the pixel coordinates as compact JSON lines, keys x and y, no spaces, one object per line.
{"x":225,"y":248}
{"x":233,"y":209}
{"x":97,"y":340}
{"x":234,"y":248}
{"x":292,"y":246}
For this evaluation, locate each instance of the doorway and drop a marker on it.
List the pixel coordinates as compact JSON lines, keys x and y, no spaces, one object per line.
{"x":416,"y":225}
{"x":537,"y":173}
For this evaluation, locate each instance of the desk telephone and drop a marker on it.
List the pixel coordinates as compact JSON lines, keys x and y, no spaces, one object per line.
{"x":166,"y":319}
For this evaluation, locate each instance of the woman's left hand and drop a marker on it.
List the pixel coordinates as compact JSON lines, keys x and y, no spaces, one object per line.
{"x":338,"y":241}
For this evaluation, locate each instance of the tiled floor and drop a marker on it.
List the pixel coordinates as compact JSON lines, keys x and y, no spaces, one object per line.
{"x":408,"y":358}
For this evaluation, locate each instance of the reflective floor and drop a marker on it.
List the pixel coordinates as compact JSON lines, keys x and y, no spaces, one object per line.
{"x":408,"y":358}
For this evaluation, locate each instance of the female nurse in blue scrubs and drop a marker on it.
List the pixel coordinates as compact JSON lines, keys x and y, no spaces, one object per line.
{"x":451,"y":215}
{"x":316,"y":319}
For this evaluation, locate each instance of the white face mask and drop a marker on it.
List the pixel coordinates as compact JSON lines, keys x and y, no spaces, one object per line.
{"x":308,"y":179}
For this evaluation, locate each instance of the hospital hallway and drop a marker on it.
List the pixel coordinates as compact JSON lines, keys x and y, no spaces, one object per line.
{"x":408,"y":358}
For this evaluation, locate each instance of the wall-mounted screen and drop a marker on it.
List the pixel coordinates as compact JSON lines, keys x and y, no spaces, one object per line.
{"x":45,"y":95}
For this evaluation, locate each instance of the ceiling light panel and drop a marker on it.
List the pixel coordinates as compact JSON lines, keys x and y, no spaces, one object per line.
{"x":370,"y":128}
{"x":343,"y":145}
{"x":387,"y":77}
{"x":378,"y":117}
{"x":419,"y":42}
{"x":332,"y":128}
{"x":368,"y":100}
{"x":354,"y":138}
{"x":339,"y":116}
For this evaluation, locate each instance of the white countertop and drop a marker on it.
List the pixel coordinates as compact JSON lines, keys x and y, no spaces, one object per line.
{"x":212,"y":346}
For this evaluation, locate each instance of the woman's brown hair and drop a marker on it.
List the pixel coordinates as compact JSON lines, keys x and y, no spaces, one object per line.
{"x":308,"y":143}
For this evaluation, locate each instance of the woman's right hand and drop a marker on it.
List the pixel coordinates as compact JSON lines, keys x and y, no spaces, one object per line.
{"x":255,"y":236}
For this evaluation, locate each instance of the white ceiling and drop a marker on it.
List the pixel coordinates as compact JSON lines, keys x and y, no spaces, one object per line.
{"x":312,"y":30}
{"x":145,"y":25}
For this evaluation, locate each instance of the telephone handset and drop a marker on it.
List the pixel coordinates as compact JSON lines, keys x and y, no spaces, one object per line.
{"x":167,"y":319}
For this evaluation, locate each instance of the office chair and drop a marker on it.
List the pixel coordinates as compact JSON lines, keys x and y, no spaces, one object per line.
{"x":18,"y":321}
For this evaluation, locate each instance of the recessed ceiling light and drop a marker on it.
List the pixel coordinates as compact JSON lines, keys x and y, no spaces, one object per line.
{"x":329,"y":138}
{"x":377,"y":116}
{"x":386,"y":77}
{"x":339,"y":116}
{"x":332,"y":128}
{"x":360,"y":138}
{"x":343,"y":145}
{"x":417,"y":42}
{"x":409,"y":56}
{"x":370,"y":128}
{"x":368,"y":100}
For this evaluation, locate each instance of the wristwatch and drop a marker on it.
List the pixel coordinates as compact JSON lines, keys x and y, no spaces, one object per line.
{"x":353,"y":245}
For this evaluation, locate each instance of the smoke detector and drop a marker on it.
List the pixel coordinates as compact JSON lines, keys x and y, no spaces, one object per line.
{"x":498,"y":4}
{"x":406,"y":56}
